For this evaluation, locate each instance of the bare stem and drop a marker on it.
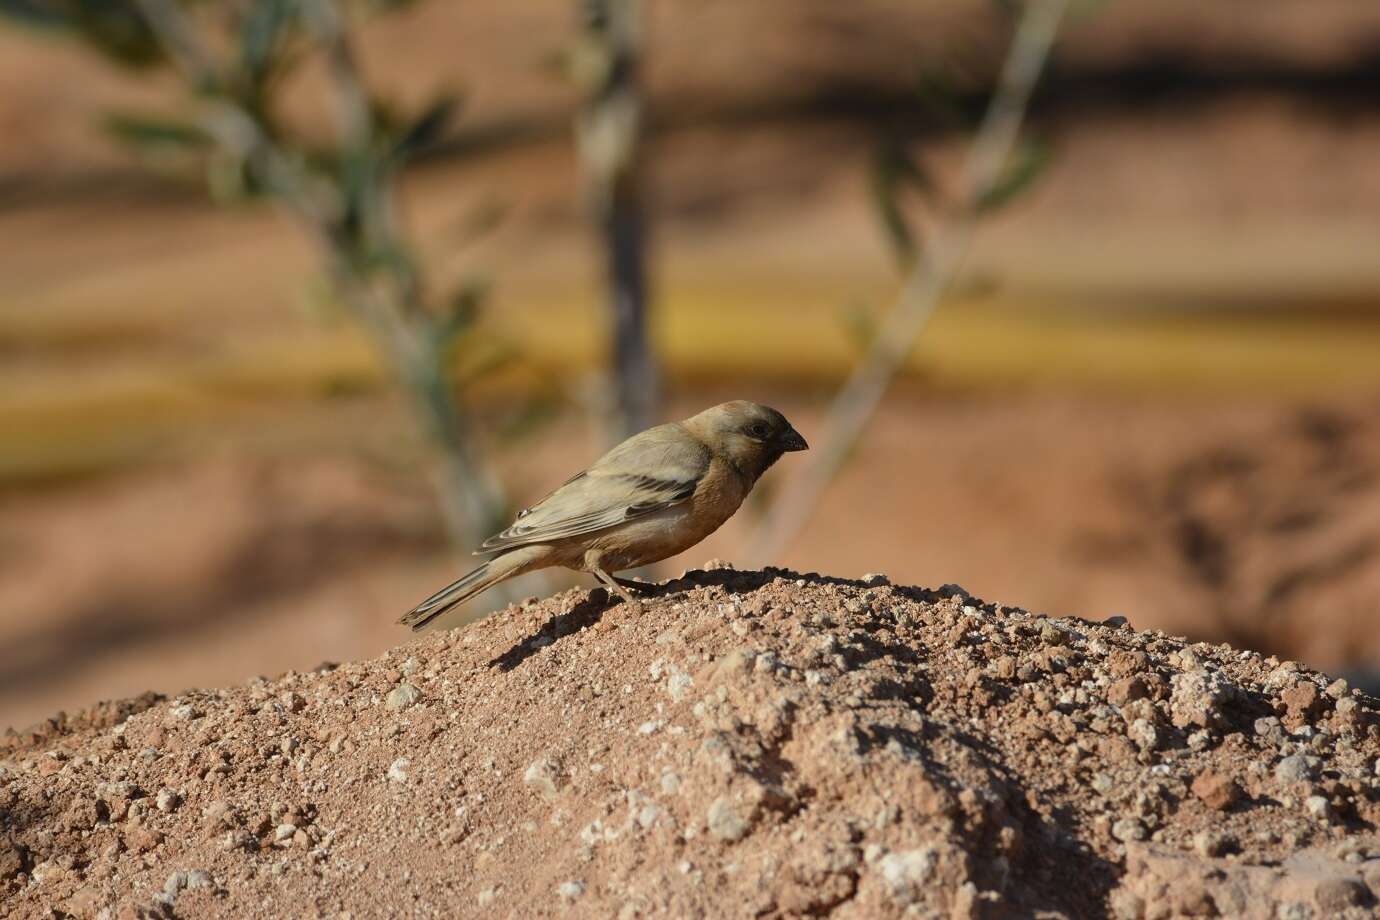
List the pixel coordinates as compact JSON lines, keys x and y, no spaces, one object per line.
{"x":608,"y":132}
{"x":926,"y":285}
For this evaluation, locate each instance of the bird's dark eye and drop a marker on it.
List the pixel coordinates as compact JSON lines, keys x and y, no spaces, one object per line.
{"x":758,"y":430}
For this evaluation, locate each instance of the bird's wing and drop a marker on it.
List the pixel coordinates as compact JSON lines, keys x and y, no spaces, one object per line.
{"x":654,"y":470}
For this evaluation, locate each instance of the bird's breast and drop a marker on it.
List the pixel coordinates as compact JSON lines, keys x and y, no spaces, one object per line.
{"x":665,"y":533}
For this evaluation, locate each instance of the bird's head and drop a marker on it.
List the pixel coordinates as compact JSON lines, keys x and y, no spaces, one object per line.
{"x":750,"y":436}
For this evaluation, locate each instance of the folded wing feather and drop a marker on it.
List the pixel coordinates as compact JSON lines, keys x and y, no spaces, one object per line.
{"x":652,"y":471}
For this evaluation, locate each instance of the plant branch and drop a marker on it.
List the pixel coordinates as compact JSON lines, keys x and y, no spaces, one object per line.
{"x":473,"y":502}
{"x":926,"y":285}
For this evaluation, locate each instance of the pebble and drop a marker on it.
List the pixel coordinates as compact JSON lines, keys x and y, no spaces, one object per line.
{"x":1127,"y":690}
{"x":1293,"y":910}
{"x":1128,"y":829}
{"x":168,"y":800}
{"x":724,"y":821}
{"x":542,"y":775}
{"x":1295,"y":768}
{"x":1211,"y":844}
{"x":402,"y":696}
{"x":679,"y":684}
{"x":1196,"y":697}
{"x":1216,"y":790}
{"x":1144,"y":734}
{"x":570,"y":890}
{"x":907,"y":873}
{"x":1269,"y":729}
{"x":397,"y":771}
{"x":1318,"y":807}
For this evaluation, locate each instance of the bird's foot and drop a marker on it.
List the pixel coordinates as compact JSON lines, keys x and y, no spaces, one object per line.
{"x":614,"y":586}
{"x":634,"y":587}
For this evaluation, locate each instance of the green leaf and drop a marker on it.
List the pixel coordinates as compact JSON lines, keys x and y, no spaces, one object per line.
{"x":389,"y":6}
{"x":427,"y":128}
{"x":893,"y":172}
{"x":262,"y":31}
{"x":31,"y":11}
{"x":479,"y":220}
{"x":146,"y":131}
{"x":1025,"y":166}
{"x":115,"y":28}
{"x":461,"y":313}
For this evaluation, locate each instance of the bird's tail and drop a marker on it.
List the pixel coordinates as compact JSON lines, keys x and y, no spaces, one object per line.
{"x":477,"y":581}
{"x":480,"y":580}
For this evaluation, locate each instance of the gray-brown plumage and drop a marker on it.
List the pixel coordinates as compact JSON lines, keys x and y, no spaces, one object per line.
{"x":657,"y":494}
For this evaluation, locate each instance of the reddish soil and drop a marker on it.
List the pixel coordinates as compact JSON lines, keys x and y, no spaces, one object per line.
{"x":737,"y":744}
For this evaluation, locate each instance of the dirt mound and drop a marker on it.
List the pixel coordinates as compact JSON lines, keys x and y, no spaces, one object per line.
{"x":741,"y":744}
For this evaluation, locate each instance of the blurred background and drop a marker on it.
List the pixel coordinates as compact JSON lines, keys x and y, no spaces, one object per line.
{"x":298,"y":298}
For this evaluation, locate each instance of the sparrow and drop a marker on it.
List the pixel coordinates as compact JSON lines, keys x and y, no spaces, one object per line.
{"x":655,"y":495}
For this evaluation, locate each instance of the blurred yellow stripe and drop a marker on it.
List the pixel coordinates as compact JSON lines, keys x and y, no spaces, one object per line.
{"x":64,"y":418}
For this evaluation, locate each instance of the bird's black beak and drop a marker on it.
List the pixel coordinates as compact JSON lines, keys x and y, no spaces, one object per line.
{"x":791,"y":440}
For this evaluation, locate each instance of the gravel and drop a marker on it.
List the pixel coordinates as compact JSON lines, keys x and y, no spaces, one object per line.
{"x":744,"y":744}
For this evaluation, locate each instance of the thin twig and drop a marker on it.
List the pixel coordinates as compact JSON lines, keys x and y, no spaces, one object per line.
{"x":931,"y":277}
{"x":356,"y":117}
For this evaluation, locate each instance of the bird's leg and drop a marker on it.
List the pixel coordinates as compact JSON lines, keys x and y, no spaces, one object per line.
{"x":613,"y":584}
